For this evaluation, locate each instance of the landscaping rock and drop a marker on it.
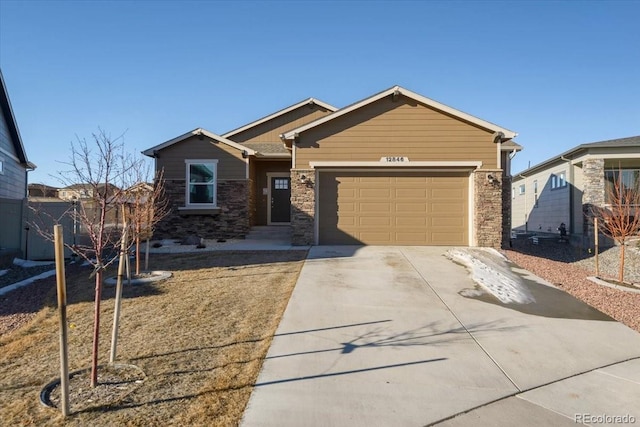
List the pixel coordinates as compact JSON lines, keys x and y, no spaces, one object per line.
{"x":191,"y":240}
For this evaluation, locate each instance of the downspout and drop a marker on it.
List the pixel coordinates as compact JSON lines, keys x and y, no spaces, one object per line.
{"x":497,"y":139}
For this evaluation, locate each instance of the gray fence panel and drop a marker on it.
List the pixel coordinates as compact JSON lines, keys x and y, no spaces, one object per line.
{"x":10,"y":223}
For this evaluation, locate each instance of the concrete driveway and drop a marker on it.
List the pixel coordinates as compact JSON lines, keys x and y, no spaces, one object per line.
{"x":382,"y":336}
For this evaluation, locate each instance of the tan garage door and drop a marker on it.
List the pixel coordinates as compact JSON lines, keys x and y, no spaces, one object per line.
{"x":393,"y":208}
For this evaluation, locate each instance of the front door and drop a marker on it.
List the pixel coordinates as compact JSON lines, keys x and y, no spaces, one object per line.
{"x":280,"y":210}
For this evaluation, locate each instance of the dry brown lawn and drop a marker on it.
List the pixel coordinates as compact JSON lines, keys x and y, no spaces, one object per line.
{"x":200,"y":338}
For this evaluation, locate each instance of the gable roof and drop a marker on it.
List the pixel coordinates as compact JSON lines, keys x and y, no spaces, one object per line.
{"x":198,"y":131}
{"x":397,"y":90}
{"x":307,"y":101}
{"x":632,"y":141}
{"x":14,"y":133}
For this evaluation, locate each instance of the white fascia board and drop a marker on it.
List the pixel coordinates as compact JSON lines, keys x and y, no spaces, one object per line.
{"x":422,"y":99}
{"x":150,"y":152}
{"x":609,"y":156}
{"x":279,"y":113}
{"x":422,"y":164}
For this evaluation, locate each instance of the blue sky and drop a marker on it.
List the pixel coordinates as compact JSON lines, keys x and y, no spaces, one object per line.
{"x":558,"y":73}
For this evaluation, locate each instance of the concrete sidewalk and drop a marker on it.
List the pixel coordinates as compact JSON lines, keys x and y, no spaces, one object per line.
{"x":381,"y":336}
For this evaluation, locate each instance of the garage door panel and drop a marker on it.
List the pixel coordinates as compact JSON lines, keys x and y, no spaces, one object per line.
{"x":410,"y":238}
{"x":409,"y":208}
{"x":373,"y":179}
{"x":393,"y":208}
{"x":347,"y":221}
{"x":349,"y":192}
{"x":364,"y":207}
{"x":447,"y":193}
{"x":447,"y":222}
{"x":411,"y":223}
{"x":411,"y":193}
{"x":375,"y":236}
{"x":374,"y":221}
{"x":374,"y":193}
{"x":344,"y":207}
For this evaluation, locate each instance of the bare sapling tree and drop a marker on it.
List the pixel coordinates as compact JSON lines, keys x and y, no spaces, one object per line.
{"x":147,"y":205}
{"x":620,"y":218}
{"x":95,"y":178}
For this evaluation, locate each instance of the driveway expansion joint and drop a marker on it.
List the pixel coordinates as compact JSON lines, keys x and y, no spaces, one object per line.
{"x":495,"y":362}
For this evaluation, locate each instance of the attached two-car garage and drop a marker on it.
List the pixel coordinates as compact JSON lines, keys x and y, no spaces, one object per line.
{"x":398,"y":168}
{"x":393,"y":207}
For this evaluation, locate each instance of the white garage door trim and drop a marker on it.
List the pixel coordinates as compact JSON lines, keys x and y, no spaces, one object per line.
{"x":427,"y":164}
{"x":434,"y":167}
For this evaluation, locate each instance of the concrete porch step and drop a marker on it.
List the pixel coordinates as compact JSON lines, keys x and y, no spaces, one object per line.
{"x":270,"y":232}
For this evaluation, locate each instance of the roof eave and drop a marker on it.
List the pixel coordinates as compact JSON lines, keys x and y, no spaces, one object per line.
{"x":278,"y":114}
{"x":151,"y":152}
{"x":570,"y":154}
{"x":14,"y":132}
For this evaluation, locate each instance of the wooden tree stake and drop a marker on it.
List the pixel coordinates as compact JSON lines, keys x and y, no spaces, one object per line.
{"x":62,"y":311}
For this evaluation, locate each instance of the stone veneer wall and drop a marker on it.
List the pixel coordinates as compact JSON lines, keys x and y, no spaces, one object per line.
{"x":506,"y":209}
{"x":488,"y":201}
{"x":232,"y":221}
{"x":593,"y":191}
{"x":303,"y":205}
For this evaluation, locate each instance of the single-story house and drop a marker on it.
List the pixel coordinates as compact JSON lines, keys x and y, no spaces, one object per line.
{"x":562,"y":188}
{"x":14,"y":166}
{"x":393,"y":168}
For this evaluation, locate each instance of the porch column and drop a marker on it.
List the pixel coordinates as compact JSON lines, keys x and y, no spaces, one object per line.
{"x":303,"y":206}
{"x":488,"y":208}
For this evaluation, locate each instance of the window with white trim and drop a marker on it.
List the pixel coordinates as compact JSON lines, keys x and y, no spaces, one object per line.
{"x":558,"y":181}
{"x":201,"y":180}
{"x":521,"y":189}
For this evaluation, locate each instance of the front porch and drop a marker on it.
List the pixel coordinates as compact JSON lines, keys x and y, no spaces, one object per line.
{"x":270,"y":192}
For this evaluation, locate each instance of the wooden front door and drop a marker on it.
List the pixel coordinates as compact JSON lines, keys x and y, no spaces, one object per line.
{"x":280,"y":209}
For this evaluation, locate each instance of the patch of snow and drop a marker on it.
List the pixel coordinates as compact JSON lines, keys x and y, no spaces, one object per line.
{"x":471,"y":293}
{"x":490,"y":270}
{"x":28,"y":263}
{"x":3,"y":272}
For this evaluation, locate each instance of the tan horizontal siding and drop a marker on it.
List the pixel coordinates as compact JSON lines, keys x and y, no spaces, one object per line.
{"x":231,"y":165}
{"x":402,"y":128}
{"x":270,"y":131}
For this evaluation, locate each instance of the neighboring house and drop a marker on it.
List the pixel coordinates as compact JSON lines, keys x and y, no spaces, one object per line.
{"x":42,"y":190}
{"x":85,"y":191}
{"x":561,"y":189}
{"x":394,"y":168}
{"x":14,"y":166}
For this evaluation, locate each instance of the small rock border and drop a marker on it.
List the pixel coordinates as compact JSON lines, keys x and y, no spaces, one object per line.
{"x":601,"y":282}
{"x":115,"y":381}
